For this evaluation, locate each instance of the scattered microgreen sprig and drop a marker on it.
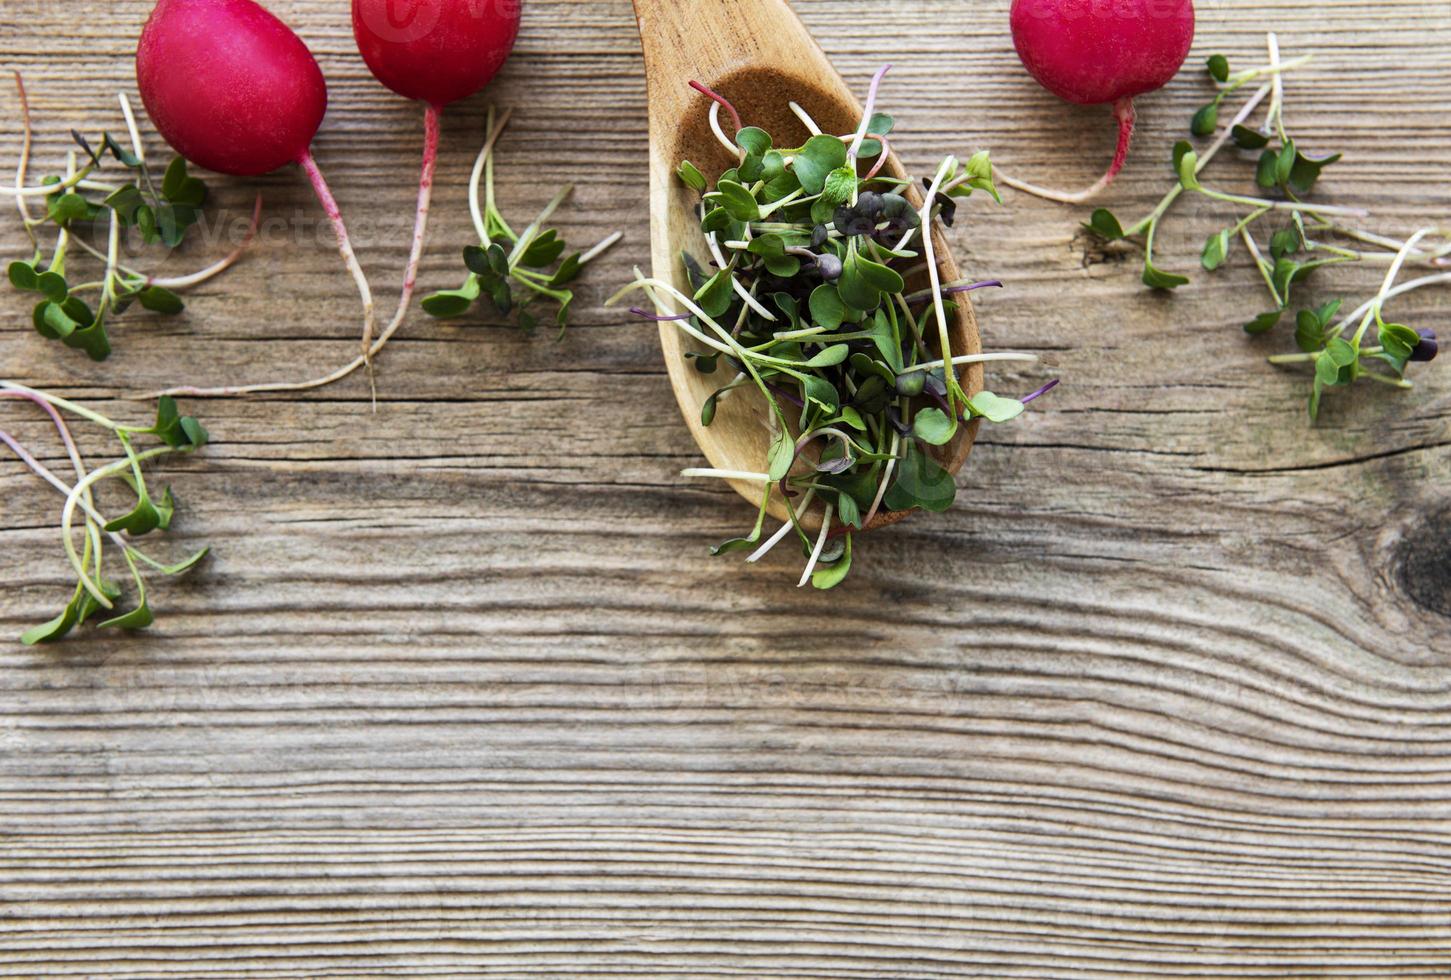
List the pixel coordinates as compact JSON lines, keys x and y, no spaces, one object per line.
{"x":160,"y":211}
{"x":805,"y":301}
{"x":513,"y":270}
{"x":1302,"y":238}
{"x":94,"y":593}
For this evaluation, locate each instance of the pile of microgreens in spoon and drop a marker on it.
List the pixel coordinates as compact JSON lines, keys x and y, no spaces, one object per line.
{"x":1303,"y":237}
{"x":804,"y":299}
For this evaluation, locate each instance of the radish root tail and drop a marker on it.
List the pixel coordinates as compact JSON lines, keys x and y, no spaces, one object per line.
{"x":350,"y":259}
{"x":1123,"y":111}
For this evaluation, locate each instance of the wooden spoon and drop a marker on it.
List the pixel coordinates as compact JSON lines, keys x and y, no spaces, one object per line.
{"x":759,"y":55}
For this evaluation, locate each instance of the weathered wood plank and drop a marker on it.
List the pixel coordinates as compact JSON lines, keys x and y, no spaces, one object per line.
{"x":1167,"y":693}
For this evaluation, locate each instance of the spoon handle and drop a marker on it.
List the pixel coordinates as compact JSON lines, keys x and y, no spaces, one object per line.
{"x":707,"y":40}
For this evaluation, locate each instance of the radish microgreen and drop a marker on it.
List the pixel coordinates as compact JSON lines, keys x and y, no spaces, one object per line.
{"x":1298,"y":239}
{"x":513,"y":270}
{"x":804,"y":298}
{"x":95,"y":594}
{"x":157,"y":211}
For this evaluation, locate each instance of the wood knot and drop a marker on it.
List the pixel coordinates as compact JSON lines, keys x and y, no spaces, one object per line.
{"x":1095,"y":251}
{"x":1423,"y":562}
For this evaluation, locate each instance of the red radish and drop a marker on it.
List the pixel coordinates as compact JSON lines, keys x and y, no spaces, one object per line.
{"x":1092,"y":53}
{"x":233,"y":89}
{"x":441,"y":52}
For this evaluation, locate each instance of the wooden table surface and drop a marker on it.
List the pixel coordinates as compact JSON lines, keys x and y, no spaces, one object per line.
{"x":1167,"y":692}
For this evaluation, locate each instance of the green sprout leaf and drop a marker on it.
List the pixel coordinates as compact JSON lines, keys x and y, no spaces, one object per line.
{"x":1189,"y":170}
{"x":453,"y":303}
{"x":179,"y":188}
{"x":1263,"y":323}
{"x":818,"y":158}
{"x":1105,"y":225}
{"x":1305,"y":171}
{"x":834,"y":574}
{"x":753,"y":140}
{"x":691,"y":177}
{"x":1216,"y":248}
{"x":24,"y":277}
{"x":840,"y":184}
{"x":1309,"y":331}
{"x":920,"y":483}
{"x":994,"y":408}
{"x":1248,"y":139}
{"x":717,"y":295}
{"x":827,"y":308}
{"x":933,"y":427}
{"x":782,"y":455}
{"x":1218,"y":66}
{"x":1156,"y":278}
{"x":160,"y":300}
{"x":1205,"y":121}
{"x":738,"y":202}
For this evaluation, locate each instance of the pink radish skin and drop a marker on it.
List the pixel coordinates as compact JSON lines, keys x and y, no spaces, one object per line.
{"x":1091,"y":53}
{"x":229,"y":86}
{"x":435,"y":52}
{"x":233,"y":89}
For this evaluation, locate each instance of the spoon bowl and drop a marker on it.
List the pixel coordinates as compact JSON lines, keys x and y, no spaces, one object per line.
{"x":760,"y":56}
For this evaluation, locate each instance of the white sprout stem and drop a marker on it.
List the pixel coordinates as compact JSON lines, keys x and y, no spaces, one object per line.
{"x":796,"y":334}
{"x":97,"y":253}
{"x":711,"y":474}
{"x":216,"y":268}
{"x":886,"y":479}
{"x":751,"y":301}
{"x":136,"y":145}
{"x":78,"y":462}
{"x":1386,"y":242}
{"x":1405,"y":287}
{"x":605,"y":244}
{"x":59,"y":402}
{"x":1373,"y":313}
{"x":73,"y":499}
{"x":1259,"y":202}
{"x":1265,"y":272}
{"x":768,"y":209}
{"x":861,"y":133}
{"x":1250,"y":74}
{"x":485,"y":153}
{"x":820,"y":546}
{"x":62,"y":240}
{"x":929,"y":253}
{"x":784,"y":529}
{"x":113,"y":258}
{"x":715,"y":127}
{"x":527,"y":238}
{"x":1244,"y":113}
{"x":969,"y":359}
{"x":1239,"y":117}
{"x":94,"y":519}
{"x":651,"y":284}
{"x":741,"y":291}
{"x":712,"y":243}
{"x":805,"y":118}
{"x":23,"y":167}
{"x":45,"y":190}
{"x":1277,"y":99}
